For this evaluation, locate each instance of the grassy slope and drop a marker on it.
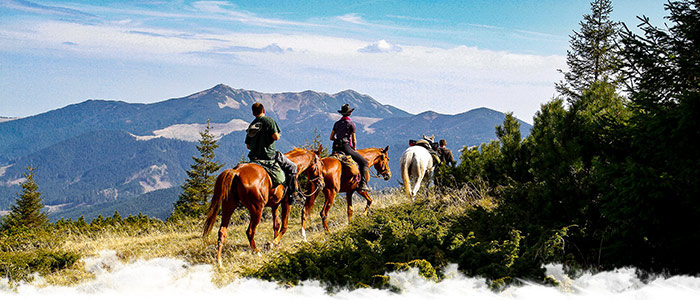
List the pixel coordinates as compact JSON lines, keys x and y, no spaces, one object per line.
{"x":184,"y":241}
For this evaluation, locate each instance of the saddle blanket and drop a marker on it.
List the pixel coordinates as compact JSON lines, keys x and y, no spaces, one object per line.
{"x":349,"y":164}
{"x":273,"y":170}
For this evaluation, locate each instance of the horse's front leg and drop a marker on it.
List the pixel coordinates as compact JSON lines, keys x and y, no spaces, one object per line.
{"x":348,"y":196}
{"x":306,"y":210}
{"x":366,"y":195}
{"x":330,"y":197}
{"x":275,"y":224}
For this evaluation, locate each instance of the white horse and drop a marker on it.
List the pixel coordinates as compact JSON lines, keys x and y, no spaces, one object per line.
{"x":416,"y":161}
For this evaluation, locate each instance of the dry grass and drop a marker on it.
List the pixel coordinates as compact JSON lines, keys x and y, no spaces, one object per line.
{"x":184,"y":240}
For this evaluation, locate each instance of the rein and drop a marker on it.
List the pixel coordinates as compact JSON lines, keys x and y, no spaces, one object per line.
{"x":318,"y":187}
{"x":375,"y":174}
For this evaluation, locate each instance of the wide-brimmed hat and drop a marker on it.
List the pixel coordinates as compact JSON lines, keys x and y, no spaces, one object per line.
{"x":345,"y":109}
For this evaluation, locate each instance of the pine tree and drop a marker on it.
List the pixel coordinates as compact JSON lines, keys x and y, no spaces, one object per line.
{"x":199,"y":184}
{"x":27,"y":210}
{"x":592,"y":57}
{"x":315,"y":143}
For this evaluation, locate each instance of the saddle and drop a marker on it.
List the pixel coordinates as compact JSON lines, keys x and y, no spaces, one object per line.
{"x":349,"y":164}
{"x":428,"y":145}
{"x":273,"y":170}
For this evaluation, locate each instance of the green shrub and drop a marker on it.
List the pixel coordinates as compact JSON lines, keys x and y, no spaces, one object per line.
{"x":411,"y":235}
{"x":19,"y":266}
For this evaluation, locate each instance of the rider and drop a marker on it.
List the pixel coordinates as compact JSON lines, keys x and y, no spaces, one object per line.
{"x":445,"y":154}
{"x":260,"y":139}
{"x":344,"y":140}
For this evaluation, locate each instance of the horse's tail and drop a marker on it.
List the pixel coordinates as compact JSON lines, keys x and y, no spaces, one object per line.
{"x":222,"y":187}
{"x":405,"y":166}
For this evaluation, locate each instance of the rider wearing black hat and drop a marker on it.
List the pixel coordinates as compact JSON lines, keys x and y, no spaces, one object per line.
{"x":344,"y":140}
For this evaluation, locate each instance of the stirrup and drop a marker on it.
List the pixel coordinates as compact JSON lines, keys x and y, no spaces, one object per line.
{"x":293,"y":196}
{"x":363,"y":187}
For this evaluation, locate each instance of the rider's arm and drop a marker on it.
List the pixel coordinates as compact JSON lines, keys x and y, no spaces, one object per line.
{"x":332,"y":135}
{"x":354,"y":141}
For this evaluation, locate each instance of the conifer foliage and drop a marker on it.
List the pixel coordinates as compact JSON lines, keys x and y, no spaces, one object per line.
{"x":199,"y":184}
{"x":27,"y":210}
{"x":592,"y":57}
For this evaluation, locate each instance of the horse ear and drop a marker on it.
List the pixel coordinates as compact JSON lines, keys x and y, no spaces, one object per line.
{"x":386,"y":149}
{"x":320,"y":148}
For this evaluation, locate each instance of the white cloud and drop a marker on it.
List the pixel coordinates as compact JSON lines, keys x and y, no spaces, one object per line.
{"x":212,"y":9}
{"x":414,"y":78}
{"x":352,"y":18}
{"x":380,"y":47}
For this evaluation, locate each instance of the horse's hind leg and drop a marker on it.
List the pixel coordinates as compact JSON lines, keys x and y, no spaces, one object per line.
{"x":284,"y":218}
{"x":275,"y":225}
{"x":255,"y":216}
{"x":227,"y":211}
{"x":416,"y":187}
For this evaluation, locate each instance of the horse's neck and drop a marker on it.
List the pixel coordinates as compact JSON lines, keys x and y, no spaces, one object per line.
{"x":303,"y":161}
{"x":371,"y":157}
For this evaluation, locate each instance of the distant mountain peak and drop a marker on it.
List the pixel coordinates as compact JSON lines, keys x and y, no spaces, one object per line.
{"x":352,"y":93}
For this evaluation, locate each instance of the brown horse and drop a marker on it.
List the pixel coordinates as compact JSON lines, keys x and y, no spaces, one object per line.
{"x":249,"y":185}
{"x":338,"y":181}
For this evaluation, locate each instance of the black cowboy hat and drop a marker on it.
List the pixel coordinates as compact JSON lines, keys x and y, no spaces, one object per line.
{"x":345,"y":109}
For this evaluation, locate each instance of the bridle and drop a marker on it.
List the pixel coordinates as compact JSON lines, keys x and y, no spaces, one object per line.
{"x":318,"y":167}
{"x":385,"y":172}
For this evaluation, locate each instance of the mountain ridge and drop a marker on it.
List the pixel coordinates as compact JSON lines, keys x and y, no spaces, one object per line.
{"x":157,"y":140}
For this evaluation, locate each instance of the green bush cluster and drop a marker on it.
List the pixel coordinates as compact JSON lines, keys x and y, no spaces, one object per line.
{"x":19,"y":266}
{"x":131,"y":223}
{"x":25,"y":251}
{"x":419,"y":235}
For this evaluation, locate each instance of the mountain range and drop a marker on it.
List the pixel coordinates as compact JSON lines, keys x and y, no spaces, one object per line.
{"x":99,"y":156}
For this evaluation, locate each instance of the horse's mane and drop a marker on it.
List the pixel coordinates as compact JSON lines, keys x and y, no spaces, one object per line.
{"x":296,"y":150}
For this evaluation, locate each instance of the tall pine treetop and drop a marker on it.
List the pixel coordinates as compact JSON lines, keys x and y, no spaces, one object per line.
{"x":27,"y":209}
{"x":199,"y":184}
{"x":592,"y":57}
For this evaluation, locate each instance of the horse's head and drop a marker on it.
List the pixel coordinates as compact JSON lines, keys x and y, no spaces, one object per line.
{"x":308,"y":161}
{"x":381,"y":164}
{"x":317,"y":167}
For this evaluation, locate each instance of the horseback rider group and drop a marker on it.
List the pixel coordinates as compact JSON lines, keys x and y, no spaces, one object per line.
{"x":263,"y":131}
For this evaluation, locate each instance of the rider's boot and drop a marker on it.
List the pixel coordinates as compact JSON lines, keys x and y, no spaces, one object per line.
{"x":293,"y":189}
{"x":363,"y":187}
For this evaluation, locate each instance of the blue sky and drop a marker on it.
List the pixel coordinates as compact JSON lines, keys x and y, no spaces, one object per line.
{"x":444,"y":56}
